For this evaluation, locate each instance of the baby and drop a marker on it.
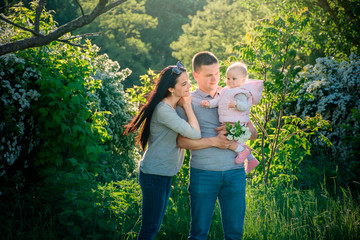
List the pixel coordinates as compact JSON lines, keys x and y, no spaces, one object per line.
{"x":234,"y":105}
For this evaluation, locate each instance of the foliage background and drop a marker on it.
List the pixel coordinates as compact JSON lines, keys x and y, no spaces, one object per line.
{"x":68,"y":172}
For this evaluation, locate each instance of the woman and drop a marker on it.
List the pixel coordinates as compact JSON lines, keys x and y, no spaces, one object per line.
{"x":159,"y":127}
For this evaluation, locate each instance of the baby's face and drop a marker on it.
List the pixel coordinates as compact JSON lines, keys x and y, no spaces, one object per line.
{"x":234,"y":78}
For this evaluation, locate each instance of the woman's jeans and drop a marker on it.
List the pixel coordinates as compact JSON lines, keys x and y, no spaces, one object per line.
{"x":155,"y":197}
{"x":205,"y":187}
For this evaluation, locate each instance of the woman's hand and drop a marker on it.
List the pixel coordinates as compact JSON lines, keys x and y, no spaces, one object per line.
{"x":184,"y":101}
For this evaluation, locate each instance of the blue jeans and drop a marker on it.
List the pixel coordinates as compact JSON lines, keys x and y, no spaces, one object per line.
{"x":155,"y":198}
{"x":227,"y":186}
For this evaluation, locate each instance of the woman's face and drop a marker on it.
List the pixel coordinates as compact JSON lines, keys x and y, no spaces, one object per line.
{"x":182,"y":86}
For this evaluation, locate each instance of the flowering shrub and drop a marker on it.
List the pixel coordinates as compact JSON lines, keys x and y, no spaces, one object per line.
{"x":17,"y":79}
{"x":332,"y":89}
{"x":62,"y":111}
{"x":113,"y":99}
{"x":25,"y":124}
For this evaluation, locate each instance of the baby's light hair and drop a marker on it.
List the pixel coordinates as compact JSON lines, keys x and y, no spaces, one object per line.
{"x":240,"y":66}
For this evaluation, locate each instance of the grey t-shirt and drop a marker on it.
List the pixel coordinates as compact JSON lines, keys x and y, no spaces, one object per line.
{"x":211,"y":159}
{"x":162,"y":156}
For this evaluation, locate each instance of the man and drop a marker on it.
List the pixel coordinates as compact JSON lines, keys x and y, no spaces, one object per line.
{"x":213,"y":172}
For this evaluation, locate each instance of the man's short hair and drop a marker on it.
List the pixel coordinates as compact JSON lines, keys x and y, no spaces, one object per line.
{"x":203,"y":58}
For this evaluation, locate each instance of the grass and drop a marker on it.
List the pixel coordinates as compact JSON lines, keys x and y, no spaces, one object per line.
{"x":281,"y":212}
{"x":278,"y":213}
{"x":288,"y":213}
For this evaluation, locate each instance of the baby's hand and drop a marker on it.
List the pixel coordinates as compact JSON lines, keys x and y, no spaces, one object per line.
{"x":205,"y":103}
{"x":232,"y":104}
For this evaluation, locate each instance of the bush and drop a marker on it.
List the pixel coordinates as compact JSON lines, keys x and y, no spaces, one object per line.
{"x":112,"y":98}
{"x":19,"y":135}
{"x":54,"y":127}
{"x":60,"y":132}
{"x":109,"y":211}
{"x":332,"y":89}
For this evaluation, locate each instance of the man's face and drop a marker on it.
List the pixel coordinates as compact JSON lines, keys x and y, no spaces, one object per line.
{"x":207,"y":77}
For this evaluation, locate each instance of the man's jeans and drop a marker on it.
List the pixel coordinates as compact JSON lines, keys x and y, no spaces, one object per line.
{"x":205,"y":187}
{"x":155,"y":197}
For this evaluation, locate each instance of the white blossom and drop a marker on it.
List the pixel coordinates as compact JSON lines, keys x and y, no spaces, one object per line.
{"x":335,"y":89}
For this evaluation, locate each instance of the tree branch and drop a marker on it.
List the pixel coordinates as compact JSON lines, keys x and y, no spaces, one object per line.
{"x":5,"y":19}
{"x":70,"y":43}
{"x":38,"y":11}
{"x":81,"y":9}
{"x":259,"y":125}
{"x":41,"y":40}
{"x":83,"y":35}
{"x":274,"y":143}
{"x":290,"y":135}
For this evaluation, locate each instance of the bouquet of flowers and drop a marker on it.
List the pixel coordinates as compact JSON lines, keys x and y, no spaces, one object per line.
{"x":237,"y":132}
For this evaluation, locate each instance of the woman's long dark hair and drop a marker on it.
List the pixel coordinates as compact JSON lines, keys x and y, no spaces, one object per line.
{"x":167,"y":79}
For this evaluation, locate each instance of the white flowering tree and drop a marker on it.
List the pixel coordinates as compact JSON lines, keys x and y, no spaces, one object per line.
{"x":21,"y":77}
{"x":34,"y":111}
{"x":18,"y":94}
{"x":332,"y":88}
{"x":112,"y":98}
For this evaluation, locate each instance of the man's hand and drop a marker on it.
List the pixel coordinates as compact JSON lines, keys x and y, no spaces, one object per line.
{"x":221,"y":128}
{"x":220,"y":140}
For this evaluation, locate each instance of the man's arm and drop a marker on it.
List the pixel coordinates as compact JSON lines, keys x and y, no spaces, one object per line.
{"x":220,"y":141}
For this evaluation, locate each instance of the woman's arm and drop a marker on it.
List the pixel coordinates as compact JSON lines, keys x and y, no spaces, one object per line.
{"x":185,"y":102}
{"x":167,"y":116}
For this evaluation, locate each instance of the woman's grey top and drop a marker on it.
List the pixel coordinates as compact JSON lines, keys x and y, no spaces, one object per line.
{"x":162,"y":156}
